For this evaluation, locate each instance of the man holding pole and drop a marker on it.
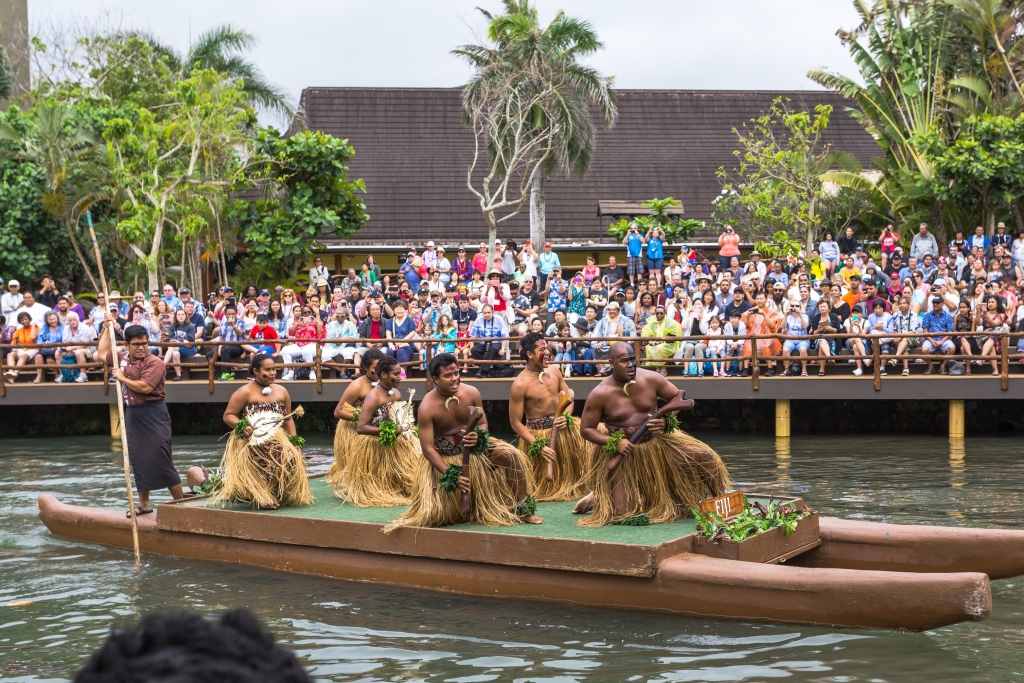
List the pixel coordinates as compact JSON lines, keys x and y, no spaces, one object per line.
{"x":146,"y":420}
{"x":533,"y":411}
{"x":496,"y":481}
{"x":646,"y":469}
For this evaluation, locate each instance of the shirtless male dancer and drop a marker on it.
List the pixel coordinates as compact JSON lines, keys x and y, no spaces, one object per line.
{"x":659,"y":478}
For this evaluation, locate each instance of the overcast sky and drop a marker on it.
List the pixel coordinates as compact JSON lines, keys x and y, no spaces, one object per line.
{"x":698,"y":44}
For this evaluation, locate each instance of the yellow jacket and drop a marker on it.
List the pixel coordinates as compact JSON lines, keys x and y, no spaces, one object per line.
{"x":666,"y":328}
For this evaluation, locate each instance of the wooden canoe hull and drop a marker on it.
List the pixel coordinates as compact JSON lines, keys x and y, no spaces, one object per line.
{"x":916,"y":548}
{"x":686,"y":584}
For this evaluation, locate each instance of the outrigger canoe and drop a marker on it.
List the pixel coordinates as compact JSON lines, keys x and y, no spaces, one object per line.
{"x":862,"y":574}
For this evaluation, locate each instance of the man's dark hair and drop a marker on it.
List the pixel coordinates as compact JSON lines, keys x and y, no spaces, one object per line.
{"x":135,"y":332}
{"x":184,"y":646}
{"x":230,"y":308}
{"x":528,"y":344}
{"x":386,"y":364}
{"x":257,"y":361}
{"x":367,"y":360}
{"x":439,"y":361}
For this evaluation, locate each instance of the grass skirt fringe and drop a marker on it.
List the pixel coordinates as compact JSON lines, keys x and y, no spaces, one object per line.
{"x":663,"y":478}
{"x":571,"y":465}
{"x":377,"y":475}
{"x":343,"y":434}
{"x":268,"y":476}
{"x":492,"y":501}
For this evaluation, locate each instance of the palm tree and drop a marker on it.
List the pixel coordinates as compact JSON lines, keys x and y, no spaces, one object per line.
{"x":530,"y":59}
{"x":220,"y":49}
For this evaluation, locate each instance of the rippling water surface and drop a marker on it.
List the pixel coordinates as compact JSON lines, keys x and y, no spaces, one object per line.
{"x":354,"y":632}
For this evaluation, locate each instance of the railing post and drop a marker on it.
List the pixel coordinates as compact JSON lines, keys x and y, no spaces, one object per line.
{"x":426,"y":367}
{"x":3,"y":380}
{"x":782,"y":422}
{"x":1004,"y":363}
{"x":876,"y":359}
{"x":754,"y":372}
{"x":210,"y":367}
{"x":318,"y":367}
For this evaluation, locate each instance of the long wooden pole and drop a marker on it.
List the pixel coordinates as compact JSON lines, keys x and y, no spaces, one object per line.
{"x":120,"y":397}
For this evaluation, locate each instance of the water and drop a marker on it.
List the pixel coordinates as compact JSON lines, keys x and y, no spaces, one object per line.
{"x":354,"y":632}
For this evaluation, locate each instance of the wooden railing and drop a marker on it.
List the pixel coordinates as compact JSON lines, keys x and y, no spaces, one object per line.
{"x":424,"y":349}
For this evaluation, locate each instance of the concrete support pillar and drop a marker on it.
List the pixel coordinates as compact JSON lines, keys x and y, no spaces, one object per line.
{"x":782,"y":417}
{"x":957,"y":420}
{"x":115,"y":421}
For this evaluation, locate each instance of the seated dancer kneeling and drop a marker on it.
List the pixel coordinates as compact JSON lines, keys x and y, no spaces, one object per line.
{"x":385,"y":451}
{"x":347,"y":415}
{"x":532,"y":407}
{"x":263,"y":462}
{"x":497,"y":480}
{"x":664,"y":474}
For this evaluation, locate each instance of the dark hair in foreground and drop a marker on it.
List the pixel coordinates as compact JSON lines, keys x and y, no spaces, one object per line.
{"x":439,"y":361}
{"x":528,"y":344}
{"x":135,"y":332}
{"x":386,"y":364}
{"x":367,"y":360}
{"x":183,"y":646}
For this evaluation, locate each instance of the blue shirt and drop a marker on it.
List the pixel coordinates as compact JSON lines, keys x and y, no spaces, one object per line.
{"x":173,"y":302}
{"x":227,"y":333}
{"x":654,"y":248}
{"x":400,"y":330}
{"x":411,"y":276}
{"x":548,"y":261}
{"x":483,"y":329}
{"x":943,"y":322}
{"x":634,"y":244}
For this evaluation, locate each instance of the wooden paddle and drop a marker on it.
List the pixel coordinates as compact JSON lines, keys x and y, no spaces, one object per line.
{"x":120,"y":395}
{"x":565,"y":399}
{"x":475,"y":415}
{"x":680,"y":402}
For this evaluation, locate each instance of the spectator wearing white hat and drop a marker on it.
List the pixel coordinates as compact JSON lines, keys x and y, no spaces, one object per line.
{"x":430,"y":256}
{"x":11,"y":299}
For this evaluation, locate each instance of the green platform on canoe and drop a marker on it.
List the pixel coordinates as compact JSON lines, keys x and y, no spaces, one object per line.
{"x":559,"y":522}
{"x":558,"y":543}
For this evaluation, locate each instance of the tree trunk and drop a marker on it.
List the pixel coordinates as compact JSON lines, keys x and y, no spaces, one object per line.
{"x":78,"y":252}
{"x":153,"y":261}
{"x":990,"y":220}
{"x":1018,"y":218}
{"x":492,"y":237}
{"x":811,"y":207}
{"x":538,"y":227}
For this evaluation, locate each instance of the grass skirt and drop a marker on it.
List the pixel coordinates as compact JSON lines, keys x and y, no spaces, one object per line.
{"x":492,"y":501}
{"x":379,"y":476}
{"x":663,"y":478}
{"x":343,"y":434}
{"x":571,"y":465}
{"x":268,"y":476}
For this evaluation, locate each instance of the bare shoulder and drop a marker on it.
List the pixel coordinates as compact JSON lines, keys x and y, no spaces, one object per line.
{"x":281,"y":394}
{"x":519,"y":384}
{"x":471,"y":393}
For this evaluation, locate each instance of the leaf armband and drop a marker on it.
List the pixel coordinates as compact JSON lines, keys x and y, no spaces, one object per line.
{"x":355,"y":414}
{"x":240,"y":426}
{"x":388,"y":433}
{"x":297,"y":441}
{"x":449,"y":480}
{"x":536,"y":447}
{"x":483,"y":441}
{"x":570,"y":420}
{"x":612,"y":444}
{"x":671,"y":423}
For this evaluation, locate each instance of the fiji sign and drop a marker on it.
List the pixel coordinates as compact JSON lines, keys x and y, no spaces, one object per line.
{"x":726,"y":507}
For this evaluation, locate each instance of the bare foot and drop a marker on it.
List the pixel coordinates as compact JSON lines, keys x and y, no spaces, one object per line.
{"x":585,"y":505}
{"x":531,"y":519}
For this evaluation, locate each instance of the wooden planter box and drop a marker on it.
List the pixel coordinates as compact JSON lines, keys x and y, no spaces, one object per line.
{"x":771,"y":547}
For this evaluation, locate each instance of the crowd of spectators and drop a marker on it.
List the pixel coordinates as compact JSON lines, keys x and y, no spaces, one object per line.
{"x":475,"y":305}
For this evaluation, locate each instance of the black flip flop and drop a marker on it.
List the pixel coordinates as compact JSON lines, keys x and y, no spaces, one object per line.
{"x":138,"y":511}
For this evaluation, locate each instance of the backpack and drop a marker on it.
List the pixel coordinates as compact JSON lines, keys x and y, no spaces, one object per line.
{"x":72,"y":374}
{"x":301,"y":373}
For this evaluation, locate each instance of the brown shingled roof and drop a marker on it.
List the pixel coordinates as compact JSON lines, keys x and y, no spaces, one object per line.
{"x":412,"y":149}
